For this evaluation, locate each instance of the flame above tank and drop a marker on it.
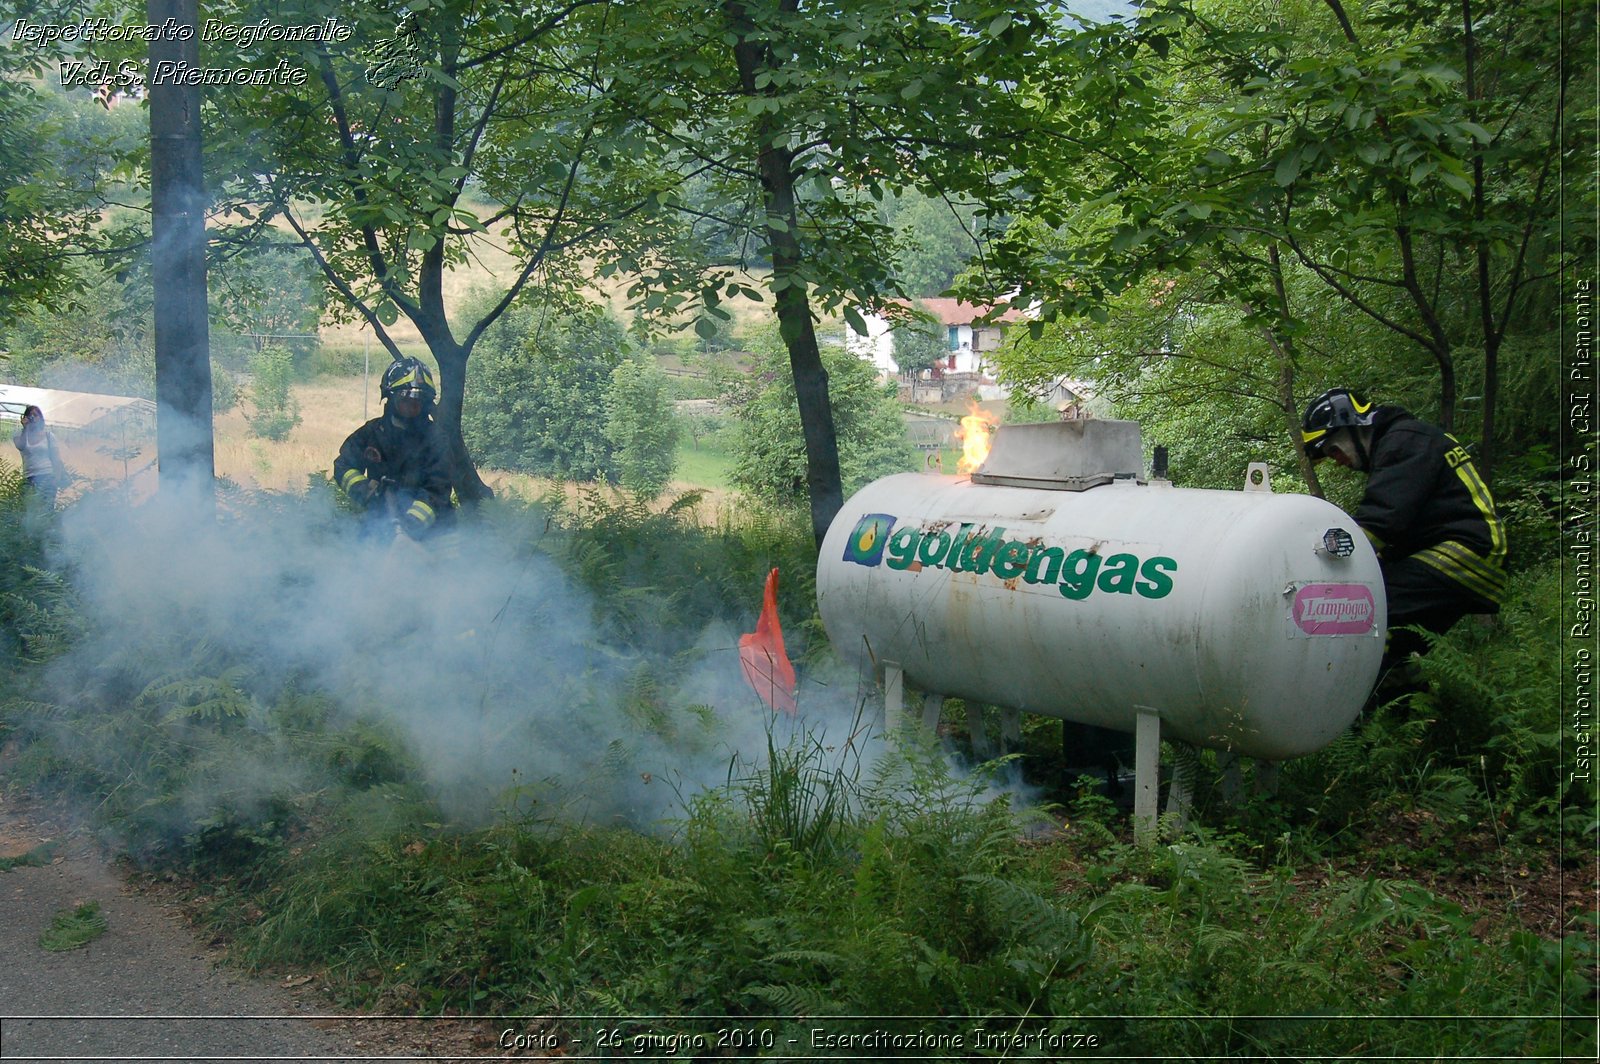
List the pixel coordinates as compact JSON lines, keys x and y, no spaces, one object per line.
{"x":975,"y":433}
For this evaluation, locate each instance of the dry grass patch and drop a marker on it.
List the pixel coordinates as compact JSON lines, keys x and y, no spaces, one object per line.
{"x":331,"y":409}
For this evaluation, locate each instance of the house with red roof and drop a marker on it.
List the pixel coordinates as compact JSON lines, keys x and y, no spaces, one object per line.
{"x":973,"y":331}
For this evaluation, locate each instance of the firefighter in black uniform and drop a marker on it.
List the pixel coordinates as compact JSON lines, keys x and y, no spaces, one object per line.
{"x":1429,"y":515}
{"x":396,"y":467}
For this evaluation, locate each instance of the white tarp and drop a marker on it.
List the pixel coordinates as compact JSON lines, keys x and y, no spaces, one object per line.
{"x":69,"y":410}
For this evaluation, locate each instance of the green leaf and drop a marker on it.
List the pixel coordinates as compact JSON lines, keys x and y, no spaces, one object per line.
{"x":1287,"y":170}
{"x":855,"y":320}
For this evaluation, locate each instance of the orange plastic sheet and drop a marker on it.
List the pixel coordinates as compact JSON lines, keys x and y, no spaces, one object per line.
{"x":761,"y":655}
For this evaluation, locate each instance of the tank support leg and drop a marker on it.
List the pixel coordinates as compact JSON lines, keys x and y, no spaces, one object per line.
{"x":1010,"y":730}
{"x":894,"y":697}
{"x":978,"y":730}
{"x":1146,"y":772}
{"x":932,"y":709}
{"x":1231,"y":784}
{"x":1267,"y":778}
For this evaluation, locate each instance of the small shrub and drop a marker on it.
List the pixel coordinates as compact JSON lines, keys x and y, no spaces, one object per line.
{"x":275,"y":411}
{"x":539,"y":378}
{"x":642,"y":427}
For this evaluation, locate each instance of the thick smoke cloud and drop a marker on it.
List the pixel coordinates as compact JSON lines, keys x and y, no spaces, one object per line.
{"x":482,"y":655}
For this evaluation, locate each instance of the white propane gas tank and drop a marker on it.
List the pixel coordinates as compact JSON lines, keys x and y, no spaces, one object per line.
{"x":1245,"y":620}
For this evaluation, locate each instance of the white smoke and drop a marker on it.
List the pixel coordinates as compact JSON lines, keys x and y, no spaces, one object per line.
{"x":487,"y":660}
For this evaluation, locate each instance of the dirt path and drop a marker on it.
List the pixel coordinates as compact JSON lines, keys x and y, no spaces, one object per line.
{"x":149,"y":987}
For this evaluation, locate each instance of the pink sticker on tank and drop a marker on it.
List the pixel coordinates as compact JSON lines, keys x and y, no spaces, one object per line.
{"x":1334,"y":609}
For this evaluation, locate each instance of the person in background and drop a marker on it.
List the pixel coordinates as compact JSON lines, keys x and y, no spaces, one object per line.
{"x":1429,"y":515}
{"x":42,"y":467}
{"x":396,"y":467}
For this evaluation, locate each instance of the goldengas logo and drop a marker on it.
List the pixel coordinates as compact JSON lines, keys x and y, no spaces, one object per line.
{"x":970,"y":548}
{"x":867,"y":540}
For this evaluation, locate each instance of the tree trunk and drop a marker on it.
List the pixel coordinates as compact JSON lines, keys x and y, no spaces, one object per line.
{"x":452,"y":359}
{"x":1484,"y":459}
{"x":824,"y":482}
{"x":1491,"y":338}
{"x":431,"y":319}
{"x":1291,"y":421}
{"x":775,"y":163}
{"x":1285,"y":351}
{"x":184,"y":445}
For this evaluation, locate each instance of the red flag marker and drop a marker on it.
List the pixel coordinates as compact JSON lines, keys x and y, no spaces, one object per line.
{"x":762,"y":657}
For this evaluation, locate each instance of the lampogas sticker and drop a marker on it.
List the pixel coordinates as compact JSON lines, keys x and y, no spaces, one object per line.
{"x":1333,"y":609}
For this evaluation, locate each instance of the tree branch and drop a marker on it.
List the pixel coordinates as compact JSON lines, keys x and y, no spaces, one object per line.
{"x":369,"y":235}
{"x":343,"y":288}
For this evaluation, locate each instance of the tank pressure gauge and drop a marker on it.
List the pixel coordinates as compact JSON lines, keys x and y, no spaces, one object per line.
{"x":1338,"y":542}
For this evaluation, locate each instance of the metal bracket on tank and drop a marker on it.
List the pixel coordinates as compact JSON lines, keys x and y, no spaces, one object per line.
{"x":1258,"y":477}
{"x":1044,"y":483}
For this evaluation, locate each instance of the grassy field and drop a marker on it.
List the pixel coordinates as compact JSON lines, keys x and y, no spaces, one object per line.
{"x":491,"y":266}
{"x":331,"y":407}
{"x":704,"y":466}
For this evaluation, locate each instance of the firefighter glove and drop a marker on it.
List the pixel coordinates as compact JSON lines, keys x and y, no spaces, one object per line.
{"x":361,"y":488}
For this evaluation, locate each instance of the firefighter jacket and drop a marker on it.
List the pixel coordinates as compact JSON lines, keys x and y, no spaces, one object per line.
{"x":412,"y":462}
{"x":1425,"y":500}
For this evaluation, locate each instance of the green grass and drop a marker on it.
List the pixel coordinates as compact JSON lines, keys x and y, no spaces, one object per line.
{"x":704,"y":466}
{"x":72,"y":928}
{"x":37,"y":857}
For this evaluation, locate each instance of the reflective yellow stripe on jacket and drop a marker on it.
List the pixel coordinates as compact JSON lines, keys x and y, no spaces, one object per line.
{"x":1466,"y":568}
{"x":1468,"y":472}
{"x":1483,"y":575}
{"x":421,"y":513}
{"x":351,"y":478}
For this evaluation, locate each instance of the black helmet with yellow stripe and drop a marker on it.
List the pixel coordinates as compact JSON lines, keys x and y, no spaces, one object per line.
{"x":408,"y":378}
{"x":1336,"y":408}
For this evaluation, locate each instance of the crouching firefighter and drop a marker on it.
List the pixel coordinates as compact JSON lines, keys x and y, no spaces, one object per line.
{"x":396,"y":468}
{"x":1439,"y":539}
